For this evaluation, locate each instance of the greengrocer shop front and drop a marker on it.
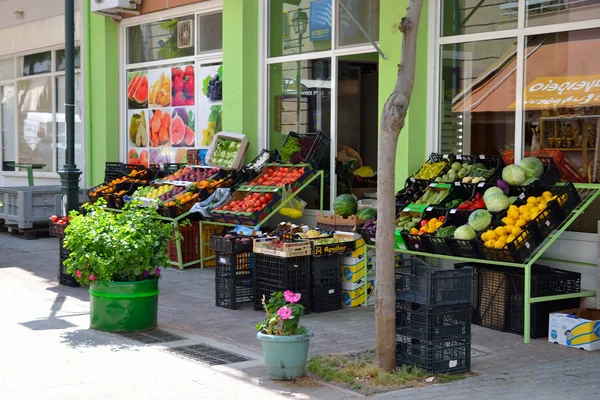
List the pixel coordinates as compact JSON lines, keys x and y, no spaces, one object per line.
{"x":506,"y":79}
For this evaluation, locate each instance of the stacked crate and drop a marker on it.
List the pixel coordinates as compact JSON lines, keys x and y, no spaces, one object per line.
{"x":63,"y":277}
{"x":279,"y":270}
{"x":433,"y":317}
{"x":326,"y":283}
{"x":358,"y":276}
{"x":233,"y":270}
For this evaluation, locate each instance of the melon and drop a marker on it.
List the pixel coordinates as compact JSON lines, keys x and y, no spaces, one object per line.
{"x":132,"y":86}
{"x":345,"y":205}
{"x":140,"y":95}
{"x":366,"y":213}
{"x":189,"y":137}
{"x":177,"y":131}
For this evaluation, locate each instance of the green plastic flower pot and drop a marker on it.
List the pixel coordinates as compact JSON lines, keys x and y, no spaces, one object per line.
{"x":285,"y":356}
{"x":124,"y":306}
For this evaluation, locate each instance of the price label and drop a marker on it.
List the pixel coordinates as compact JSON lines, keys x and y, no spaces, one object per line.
{"x":547,"y":223}
{"x":453,"y":211}
{"x":417,"y":246}
{"x":522,"y":196}
{"x":331,"y":291}
{"x":432,"y":185}
{"x":481,"y":157}
{"x":457,"y":183}
{"x":444,"y":155}
{"x":527,"y":245}
{"x":429,"y":209}
{"x":412,"y":179}
{"x":406,"y":209}
{"x":459,"y":157}
{"x":222,"y":260}
{"x":481,"y":184}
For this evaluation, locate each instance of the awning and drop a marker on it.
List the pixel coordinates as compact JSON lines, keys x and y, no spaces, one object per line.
{"x":561,"y":71}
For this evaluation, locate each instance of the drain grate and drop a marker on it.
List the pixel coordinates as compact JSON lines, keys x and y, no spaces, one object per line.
{"x":207,"y":354}
{"x":151,"y":337}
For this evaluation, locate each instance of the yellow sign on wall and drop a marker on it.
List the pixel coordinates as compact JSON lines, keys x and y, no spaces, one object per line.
{"x":561,"y":92}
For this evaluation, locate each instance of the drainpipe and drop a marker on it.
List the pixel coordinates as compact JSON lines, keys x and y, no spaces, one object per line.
{"x":87,"y":81}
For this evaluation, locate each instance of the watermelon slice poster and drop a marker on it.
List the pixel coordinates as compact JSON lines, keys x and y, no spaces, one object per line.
{"x":137,"y":89}
{"x":210,"y":104}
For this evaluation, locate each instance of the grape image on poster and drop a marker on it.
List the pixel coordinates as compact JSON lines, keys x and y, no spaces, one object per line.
{"x":137,"y":157}
{"x":160,"y":127}
{"x":160,"y":156}
{"x":183,"y":127}
{"x":183,"y":86}
{"x":210,"y":108}
{"x":160,"y":87}
{"x":138,"y":128}
{"x":137,"y":89}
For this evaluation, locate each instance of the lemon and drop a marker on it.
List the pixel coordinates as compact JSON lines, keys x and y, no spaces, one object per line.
{"x":510,"y":239}
{"x":499,"y":244}
{"x":532,"y":200}
{"x":534,"y":211}
{"x":523,"y":209}
{"x":521,"y":222}
{"x":516,"y":231}
{"x":491,"y":235}
{"x":503,"y":238}
{"x":526,"y":216}
{"x":513,"y":208}
{"x":500,"y":231}
{"x":508,"y":221}
{"x":484,"y":236}
{"x":509,"y":228}
{"x":547,"y":194}
{"x":542,"y":205}
{"x":514,"y":213}
{"x":490,"y":244}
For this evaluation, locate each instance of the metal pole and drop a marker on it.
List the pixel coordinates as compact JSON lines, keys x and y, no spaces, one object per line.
{"x":69,"y":174}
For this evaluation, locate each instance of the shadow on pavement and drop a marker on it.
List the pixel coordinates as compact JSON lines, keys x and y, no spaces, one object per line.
{"x":86,"y":338}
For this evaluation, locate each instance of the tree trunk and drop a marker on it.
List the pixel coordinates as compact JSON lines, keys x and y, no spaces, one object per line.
{"x":392,"y":122}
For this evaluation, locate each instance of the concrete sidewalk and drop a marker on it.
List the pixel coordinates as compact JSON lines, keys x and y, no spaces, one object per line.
{"x":50,"y":354}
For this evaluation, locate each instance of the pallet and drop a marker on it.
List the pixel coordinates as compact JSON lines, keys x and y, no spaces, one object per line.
{"x":28,"y":234}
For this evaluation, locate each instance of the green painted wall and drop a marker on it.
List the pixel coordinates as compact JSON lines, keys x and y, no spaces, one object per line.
{"x":412,"y":143}
{"x":101,"y":93}
{"x":240,"y":66}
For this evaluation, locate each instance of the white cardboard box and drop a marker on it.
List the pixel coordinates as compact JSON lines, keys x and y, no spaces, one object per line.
{"x":578,"y":327}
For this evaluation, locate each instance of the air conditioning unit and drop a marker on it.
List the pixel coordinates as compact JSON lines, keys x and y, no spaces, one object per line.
{"x":114,"y":6}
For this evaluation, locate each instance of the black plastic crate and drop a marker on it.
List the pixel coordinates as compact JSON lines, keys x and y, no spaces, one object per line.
{"x":438,"y":245}
{"x":230,"y":293}
{"x":326,"y":297}
{"x":231,"y":243}
{"x":326,"y":269}
{"x":488,"y":161}
{"x":445,"y":356}
{"x":417,"y":282}
{"x":234,"y":265}
{"x":433,"y":323}
{"x":63,"y":251}
{"x":434,"y":158}
{"x":266,"y":289}
{"x":571,"y":199}
{"x":64,"y":278}
{"x":314,"y":156}
{"x":546,"y":282}
{"x":539,"y":314}
{"x":291,"y":273}
{"x":517,"y":251}
{"x":490,"y":305}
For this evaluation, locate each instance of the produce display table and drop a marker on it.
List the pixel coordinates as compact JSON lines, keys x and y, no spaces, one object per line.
{"x":588,"y":193}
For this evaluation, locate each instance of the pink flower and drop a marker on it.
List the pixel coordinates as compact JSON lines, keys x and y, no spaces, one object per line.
{"x":78,"y":273}
{"x":92,"y":278}
{"x":284,"y":313}
{"x":291,"y":297}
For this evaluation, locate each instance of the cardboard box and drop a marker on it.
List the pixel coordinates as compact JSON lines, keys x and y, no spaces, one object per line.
{"x":326,"y":222}
{"x":578,"y":327}
{"x":353,"y":293}
{"x":345,"y":245}
{"x":353,"y":268}
{"x":289,"y":249}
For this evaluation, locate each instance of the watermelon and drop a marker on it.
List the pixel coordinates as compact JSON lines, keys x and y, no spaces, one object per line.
{"x":345,"y":205}
{"x":366,"y":213}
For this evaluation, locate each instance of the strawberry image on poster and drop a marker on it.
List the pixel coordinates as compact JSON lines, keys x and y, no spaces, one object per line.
{"x":183,"y":86}
{"x":183,"y":127}
{"x":137,"y":89}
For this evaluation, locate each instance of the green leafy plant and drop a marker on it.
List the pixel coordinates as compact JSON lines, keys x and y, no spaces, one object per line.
{"x":120,"y":247}
{"x":283,"y":315}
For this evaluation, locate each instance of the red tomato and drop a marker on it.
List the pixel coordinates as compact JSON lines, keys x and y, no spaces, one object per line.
{"x":250,"y":210}
{"x":261,"y":181}
{"x":226,"y":208}
{"x":64,"y":219}
{"x":54,"y":218}
{"x":271,"y":170}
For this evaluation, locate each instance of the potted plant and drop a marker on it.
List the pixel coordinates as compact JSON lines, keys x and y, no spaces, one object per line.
{"x":284,"y":342}
{"x":119,"y":256}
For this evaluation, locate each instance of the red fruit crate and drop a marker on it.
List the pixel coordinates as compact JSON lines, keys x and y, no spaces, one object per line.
{"x":190,"y":245}
{"x":57,"y":230}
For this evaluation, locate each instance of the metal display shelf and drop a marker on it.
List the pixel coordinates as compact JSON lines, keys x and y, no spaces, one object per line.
{"x":588,"y":193}
{"x":317,"y":174}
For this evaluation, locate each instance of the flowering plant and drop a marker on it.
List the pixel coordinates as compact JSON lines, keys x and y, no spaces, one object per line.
{"x":116,"y":247}
{"x":283,"y":315}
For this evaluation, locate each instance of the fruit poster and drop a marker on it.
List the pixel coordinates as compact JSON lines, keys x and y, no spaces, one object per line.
{"x":161,"y":115}
{"x":210,"y":103}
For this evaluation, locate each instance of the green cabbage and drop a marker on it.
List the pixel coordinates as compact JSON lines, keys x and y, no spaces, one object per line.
{"x":465,"y":232}
{"x":529,"y":181}
{"x":491,"y":191}
{"x":480,"y":220}
{"x":497,"y":202}
{"x":513,"y":174}
{"x":532,"y":166}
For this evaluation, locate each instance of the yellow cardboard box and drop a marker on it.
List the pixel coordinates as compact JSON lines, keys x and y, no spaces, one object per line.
{"x":353,"y":268}
{"x":579,"y":328}
{"x":353,"y":293}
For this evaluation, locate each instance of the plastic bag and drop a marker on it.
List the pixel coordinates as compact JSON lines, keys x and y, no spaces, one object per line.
{"x":217,"y":199}
{"x":293,"y":206}
{"x":367,"y":203}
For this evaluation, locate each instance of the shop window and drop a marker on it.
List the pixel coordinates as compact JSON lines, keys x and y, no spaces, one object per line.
{"x":561,"y":100}
{"x":300,"y":101}
{"x":210,"y":32}
{"x":161,"y":40}
{"x":461,"y":17}
{"x":60,"y":59}
{"x":7,"y":123}
{"x":362,"y":14}
{"x":34,"y":121}
{"x":478,"y":90}
{"x":34,"y":64}
{"x":7,"y":69}
{"x":61,"y":128}
{"x":545,"y":12}
{"x":299,"y":26}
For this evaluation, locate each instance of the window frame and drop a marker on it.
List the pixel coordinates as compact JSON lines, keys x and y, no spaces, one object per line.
{"x":521,"y":32}
{"x":53,"y":75}
{"x":334,"y":54}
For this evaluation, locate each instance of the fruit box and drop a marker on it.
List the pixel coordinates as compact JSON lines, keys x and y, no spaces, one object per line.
{"x":253,"y":185}
{"x":348,"y":224}
{"x":326,"y":222}
{"x":288,"y":249}
{"x":353,"y":293}
{"x":353,"y":269}
{"x":579,"y":328}
{"x":241,"y":153}
{"x":242,"y":218}
{"x":346,"y":244}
